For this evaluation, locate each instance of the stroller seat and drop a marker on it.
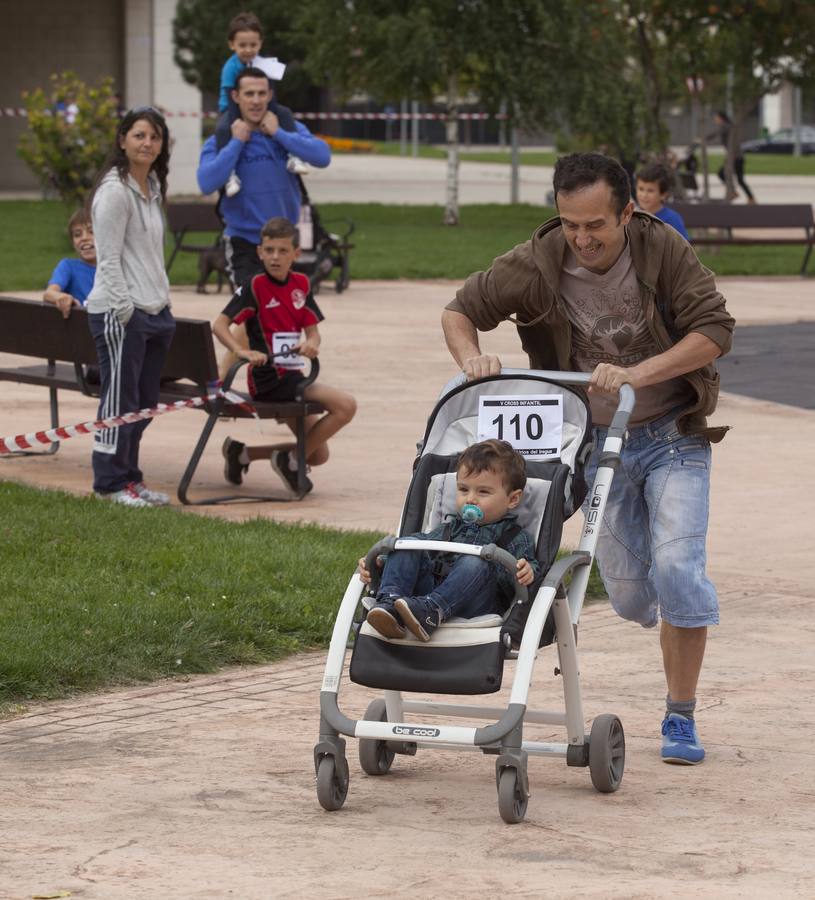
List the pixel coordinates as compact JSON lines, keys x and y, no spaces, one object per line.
{"x":463,"y":656}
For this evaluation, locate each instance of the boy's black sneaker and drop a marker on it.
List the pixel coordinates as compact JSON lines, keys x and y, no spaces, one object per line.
{"x":233,"y":467}
{"x":280,"y":463}
{"x":419,"y":615}
{"x":383,"y":618}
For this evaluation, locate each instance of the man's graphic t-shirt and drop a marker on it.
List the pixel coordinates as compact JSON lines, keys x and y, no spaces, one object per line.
{"x":608,"y":326}
{"x":266,"y":305}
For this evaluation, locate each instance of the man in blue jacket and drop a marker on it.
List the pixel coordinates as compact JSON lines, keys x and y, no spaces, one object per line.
{"x":257,"y":151}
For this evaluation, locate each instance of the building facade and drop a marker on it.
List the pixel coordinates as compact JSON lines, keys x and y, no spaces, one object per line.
{"x":129,"y":40}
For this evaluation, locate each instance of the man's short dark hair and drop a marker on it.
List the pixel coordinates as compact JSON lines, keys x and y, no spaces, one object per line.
{"x":582,"y":170}
{"x":280,"y":227}
{"x":656,"y":173}
{"x":250,"y":72}
{"x":244,"y":21}
{"x":495,"y":456}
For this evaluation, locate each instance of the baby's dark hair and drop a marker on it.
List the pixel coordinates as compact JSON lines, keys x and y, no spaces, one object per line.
{"x":658,"y":173}
{"x":81,"y":217}
{"x":495,"y":456}
{"x":279,"y":227}
{"x":244,"y":21}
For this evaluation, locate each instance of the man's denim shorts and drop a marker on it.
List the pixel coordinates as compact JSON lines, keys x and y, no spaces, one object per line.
{"x":651,"y":549}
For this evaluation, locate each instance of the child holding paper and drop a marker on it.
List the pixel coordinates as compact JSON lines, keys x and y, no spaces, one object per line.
{"x":274,"y":308}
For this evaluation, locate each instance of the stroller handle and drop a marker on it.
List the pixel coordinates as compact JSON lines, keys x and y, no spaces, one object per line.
{"x":625,"y":405}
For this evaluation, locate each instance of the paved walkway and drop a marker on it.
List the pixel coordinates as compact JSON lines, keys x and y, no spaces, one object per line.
{"x":204,"y":787}
{"x":394,"y":179}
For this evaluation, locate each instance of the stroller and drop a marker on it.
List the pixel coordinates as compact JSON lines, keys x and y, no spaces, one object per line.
{"x":321,"y":252}
{"x":467,"y":656}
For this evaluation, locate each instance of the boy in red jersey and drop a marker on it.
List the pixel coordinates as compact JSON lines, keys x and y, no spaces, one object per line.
{"x":275,"y":303}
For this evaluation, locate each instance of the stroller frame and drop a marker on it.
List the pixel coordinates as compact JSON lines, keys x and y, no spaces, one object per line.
{"x":383,"y":732}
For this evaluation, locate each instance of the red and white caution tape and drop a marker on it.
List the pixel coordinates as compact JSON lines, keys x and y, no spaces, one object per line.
{"x":36,"y":438}
{"x":19,"y":112}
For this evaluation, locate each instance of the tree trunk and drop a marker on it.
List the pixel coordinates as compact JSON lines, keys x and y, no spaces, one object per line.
{"x":652,"y":82}
{"x":451,"y":203}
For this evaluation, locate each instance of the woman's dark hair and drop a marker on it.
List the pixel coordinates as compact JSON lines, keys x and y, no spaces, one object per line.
{"x":723,"y":116}
{"x":117,"y":159}
{"x":582,"y":170}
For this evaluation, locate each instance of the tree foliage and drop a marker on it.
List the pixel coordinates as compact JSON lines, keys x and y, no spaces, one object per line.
{"x":71,"y":128}
{"x":420,"y":49}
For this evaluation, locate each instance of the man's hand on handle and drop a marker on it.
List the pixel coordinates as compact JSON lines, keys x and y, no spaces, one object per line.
{"x":608,"y":379}
{"x":481,"y":366}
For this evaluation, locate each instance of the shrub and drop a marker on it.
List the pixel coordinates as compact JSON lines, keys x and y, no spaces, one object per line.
{"x":70,"y":132}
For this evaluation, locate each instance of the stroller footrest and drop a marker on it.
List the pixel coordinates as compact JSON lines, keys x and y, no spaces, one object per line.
{"x":468,"y":663}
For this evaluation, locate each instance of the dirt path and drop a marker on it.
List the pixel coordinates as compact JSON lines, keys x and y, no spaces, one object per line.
{"x":204,"y":787}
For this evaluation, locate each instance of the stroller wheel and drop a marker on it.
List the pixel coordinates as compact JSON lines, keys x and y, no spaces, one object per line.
{"x":606,"y":753}
{"x":512,"y":797}
{"x":374,"y":756}
{"x":332,"y":785}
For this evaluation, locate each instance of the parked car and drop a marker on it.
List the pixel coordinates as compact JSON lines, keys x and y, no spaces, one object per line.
{"x":782,"y":141}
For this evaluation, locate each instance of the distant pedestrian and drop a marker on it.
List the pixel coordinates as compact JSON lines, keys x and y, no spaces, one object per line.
{"x":723,"y":121}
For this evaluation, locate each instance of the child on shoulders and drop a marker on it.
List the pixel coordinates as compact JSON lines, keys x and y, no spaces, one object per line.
{"x":277,"y":303}
{"x":245,"y":39}
{"x":417,"y":594}
{"x":653,"y":188}
{"x":72,"y":279}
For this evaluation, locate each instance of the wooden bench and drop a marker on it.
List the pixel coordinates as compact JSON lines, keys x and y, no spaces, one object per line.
{"x":329,"y":252}
{"x":35,"y":329}
{"x":186,"y":218}
{"x":724,"y":217}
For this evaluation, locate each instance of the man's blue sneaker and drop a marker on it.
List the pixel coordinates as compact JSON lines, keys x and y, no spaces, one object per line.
{"x":419,"y":615}
{"x":680,"y":742}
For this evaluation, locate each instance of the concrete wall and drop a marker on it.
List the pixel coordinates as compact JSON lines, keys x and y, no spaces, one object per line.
{"x":130,"y":40}
{"x":151,"y":77}
{"x":51,"y":36}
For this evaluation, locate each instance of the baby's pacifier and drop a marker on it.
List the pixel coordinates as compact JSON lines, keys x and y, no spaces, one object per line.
{"x":471,"y":513}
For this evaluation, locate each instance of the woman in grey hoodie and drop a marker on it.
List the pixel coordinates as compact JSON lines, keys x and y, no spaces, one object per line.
{"x":129,"y":306}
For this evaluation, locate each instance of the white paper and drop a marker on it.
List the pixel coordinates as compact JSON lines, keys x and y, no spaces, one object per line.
{"x":282,"y":344}
{"x":270,"y":66}
{"x":531,"y":423}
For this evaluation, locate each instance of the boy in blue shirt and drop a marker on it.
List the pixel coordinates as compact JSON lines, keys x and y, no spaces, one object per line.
{"x":653,"y":188}
{"x":72,"y":279}
{"x":245,"y":39}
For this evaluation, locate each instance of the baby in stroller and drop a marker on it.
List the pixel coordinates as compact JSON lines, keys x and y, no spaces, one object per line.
{"x":417,"y":593}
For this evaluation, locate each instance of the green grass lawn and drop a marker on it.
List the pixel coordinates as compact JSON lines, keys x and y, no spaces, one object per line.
{"x":93,"y":595}
{"x":390,"y":242}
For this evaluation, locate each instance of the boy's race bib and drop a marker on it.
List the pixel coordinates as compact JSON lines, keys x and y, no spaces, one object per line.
{"x":531,"y":423}
{"x":283,"y":344}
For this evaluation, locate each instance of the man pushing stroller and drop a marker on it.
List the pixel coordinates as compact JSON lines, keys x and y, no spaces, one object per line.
{"x":418,"y":593}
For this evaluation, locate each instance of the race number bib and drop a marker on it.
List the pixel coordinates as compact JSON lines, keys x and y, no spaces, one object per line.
{"x":532,"y":424}
{"x":283,"y":343}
